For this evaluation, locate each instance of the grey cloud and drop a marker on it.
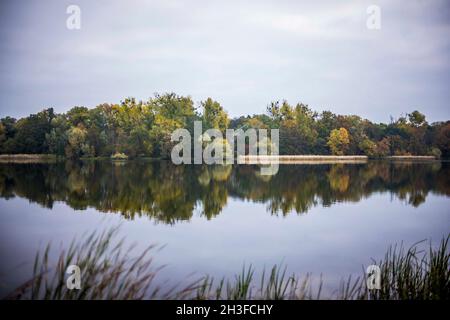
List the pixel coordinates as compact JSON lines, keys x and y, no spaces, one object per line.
{"x":243,"y":54}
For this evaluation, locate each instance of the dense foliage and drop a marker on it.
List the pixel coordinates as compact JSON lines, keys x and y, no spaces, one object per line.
{"x":138,"y":128}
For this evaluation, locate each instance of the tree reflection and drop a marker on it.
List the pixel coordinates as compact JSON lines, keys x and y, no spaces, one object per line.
{"x":168,"y":193}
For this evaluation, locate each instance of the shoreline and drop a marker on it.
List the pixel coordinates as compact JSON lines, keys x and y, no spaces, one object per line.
{"x":28,"y":158}
{"x":300,"y":159}
{"x":247,"y":159}
{"x":411,"y":158}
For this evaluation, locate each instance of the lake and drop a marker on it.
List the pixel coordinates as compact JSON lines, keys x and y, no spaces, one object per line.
{"x":328,"y":219}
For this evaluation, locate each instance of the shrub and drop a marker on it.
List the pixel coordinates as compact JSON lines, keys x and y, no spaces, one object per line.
{"x":119,"y":156}
{"x":436,"y":152}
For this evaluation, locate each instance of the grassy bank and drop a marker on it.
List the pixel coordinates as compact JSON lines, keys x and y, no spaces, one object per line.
{"x":411,"y":158}
{"x":420,"y":272}
{"x":37,"y":158}
{"x":248,"y":159}
{"x":300,"y":159}
{"x":28,"y":158}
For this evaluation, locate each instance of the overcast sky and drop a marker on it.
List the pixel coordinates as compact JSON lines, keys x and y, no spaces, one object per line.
{"x":242,"y":53}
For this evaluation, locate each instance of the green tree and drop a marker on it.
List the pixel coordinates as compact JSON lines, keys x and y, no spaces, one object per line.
{"x":10,"y":127}
{"x":78,"y":115}
{"x":76,"y":142}
{"x":171,"y":112}
{"x":2,"y":133}
{"x":214,"y":116}
{"x":56,"y":139}
{"x":416,"y":118}
{"x":31,"y":132}
{"x":368,"y":147}
{"x":140,"y":142}
{"x":441,"y":138}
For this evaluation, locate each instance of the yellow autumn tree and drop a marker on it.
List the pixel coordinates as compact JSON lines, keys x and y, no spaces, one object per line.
{"x":338,"y":141}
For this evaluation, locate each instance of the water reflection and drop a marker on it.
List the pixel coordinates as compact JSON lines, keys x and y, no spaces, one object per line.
{"x":168,"y":193}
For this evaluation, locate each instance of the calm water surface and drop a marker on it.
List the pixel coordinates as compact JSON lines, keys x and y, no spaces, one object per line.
{"x":329,"y":219}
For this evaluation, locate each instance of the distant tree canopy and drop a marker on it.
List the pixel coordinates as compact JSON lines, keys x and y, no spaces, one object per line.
{"x":143,"y":128}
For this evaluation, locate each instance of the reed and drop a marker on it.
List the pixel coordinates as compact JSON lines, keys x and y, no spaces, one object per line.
{"x":109,"y":273}
{"x":415,"y":273}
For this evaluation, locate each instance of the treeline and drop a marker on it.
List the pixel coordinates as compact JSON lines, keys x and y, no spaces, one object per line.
{"x":143,"y":128}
